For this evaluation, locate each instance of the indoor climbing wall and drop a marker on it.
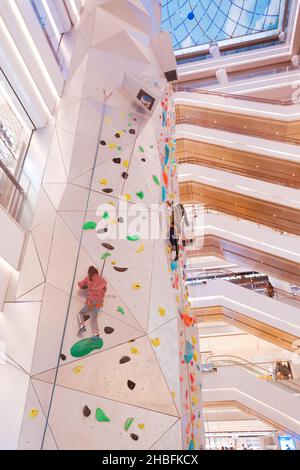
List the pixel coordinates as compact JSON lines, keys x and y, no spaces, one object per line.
{"x":110,"y":172}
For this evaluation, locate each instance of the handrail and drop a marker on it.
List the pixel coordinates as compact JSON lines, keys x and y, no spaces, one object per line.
{"x":260,"y":371}
{"x":282,"y":228}
{"x":200,"y":91}
{"x":244,"y":168}
{"x":279,"y":294}
{"x":11,"y":177}
{"x":10,"y":200}
{"x":185,"y":119}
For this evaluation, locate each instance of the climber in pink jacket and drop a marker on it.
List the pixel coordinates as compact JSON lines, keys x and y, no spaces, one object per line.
{"x":96,"y":287}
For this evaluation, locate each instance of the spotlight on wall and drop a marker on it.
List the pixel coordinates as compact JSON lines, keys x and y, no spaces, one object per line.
{"x":214,"y":50}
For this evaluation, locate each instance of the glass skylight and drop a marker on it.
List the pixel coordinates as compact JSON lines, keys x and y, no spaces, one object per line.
{"x":195,"y":23}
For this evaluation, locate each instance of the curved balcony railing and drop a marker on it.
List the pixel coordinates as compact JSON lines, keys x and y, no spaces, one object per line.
{"x":200,"y":91}
{"x":283,"y":178}
{"x":255,"y":369}
{"x":274,"y":221}
{"x":235,"y":278}
{"x":253,"y":132}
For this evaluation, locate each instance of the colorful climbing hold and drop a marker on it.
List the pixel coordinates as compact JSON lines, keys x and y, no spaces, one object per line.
{"x":89,"y":226}
{"x":141,"y":426}
{"x":156,"y":180}
{"x":33,"y":413}
{"x":133,"y":238}
{"x":141,"y":149}
{"x":128,"y":423}
{"x":163,"y":194}
{"x":101,"y":416}
{"x":77,"y":370}
{"x":174,"y":265}
{"x":140,"y":195}
{"x":108,"y":330}
{"x":140,"y":249}
{"x":136,"y":286}
{"x":134,"y":351}
{"x":105,"y":215}
{"x":103,"y":181}
{"x":124,"y":359}
{"x":121,"y":310}
{"x":162,"y":311}
{"x":86,"y":346}
{"x":108,"y":246}
{"x":155,"y":342}
{"x":105,"y":256}
{"x":131,"y":385}
{"x":120,"y":270}
{"x":86,"y":411}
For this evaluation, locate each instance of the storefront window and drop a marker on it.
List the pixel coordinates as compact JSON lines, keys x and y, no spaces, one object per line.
{"x":15,"y":135}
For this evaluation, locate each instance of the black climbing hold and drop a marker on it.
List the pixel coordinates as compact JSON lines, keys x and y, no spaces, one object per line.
{"x":107,"y":190}
{"x":132,"y":131}
{"x":63,"y":357}
{"x":117,"y":160}
{"x":143,"y":159}
{"x":120,"y":270}
{"x":86,"y":411}
{"x":102,"y":142}
{"x":108,"y":246}
{"x":102,"y":230}
{"x":135,"y":437}
{"x":131,"y":385}
{"x":124,"y":359}
{"x":108,"y":330}
{"x":124,"y":175}
{"x":120,"y":220}
{"x":117,"y":135}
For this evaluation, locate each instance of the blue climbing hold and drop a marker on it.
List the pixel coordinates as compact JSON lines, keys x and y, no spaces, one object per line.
{"x":174,"y":265}
{"x":163,"y":194}
{"x":191,"y":15}
{"x":189,"y":352}
{"x":167,"y":154}
{"x":164,"y":119}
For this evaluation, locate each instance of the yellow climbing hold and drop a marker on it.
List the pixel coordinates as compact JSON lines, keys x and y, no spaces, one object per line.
{"x":103,"y":181}
{"x":136,"y":286}
{"x":113,"y":263}
{"x":162,"y":311}
{"x":134,"y":350}
{"x":112,"y":146}
{"x":141,"y":426}
{"x":195,"y":356}
{"x":155,"y":342}
{"x":125,"y":163}
{"x":127,"y":197}
{"x":77,"y":370}
{"x":141,"y":248}
{"x":33,"y":413}
{"x":194,"y":400}
{"x":173,"y":394}
{"x":194,"y":340}
{"x":177,"y":299}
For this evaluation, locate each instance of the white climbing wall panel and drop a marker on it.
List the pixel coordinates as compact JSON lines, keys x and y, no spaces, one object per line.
{"x":138,"y":387}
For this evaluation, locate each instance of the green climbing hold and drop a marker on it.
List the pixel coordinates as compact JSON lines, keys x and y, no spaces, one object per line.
{"x":141,"y":149}
{"x":101,"y":416}
{"x":105,"y":215}
{"x":121,"y":310}
{"x":140,"y":195}
{"x":89,"y":226}
{"x":128,"y":423}
{"x":105,"y":255}
{"x":156,"y":180}
{"x":133,"y":238}
{"x":85,"y":346}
